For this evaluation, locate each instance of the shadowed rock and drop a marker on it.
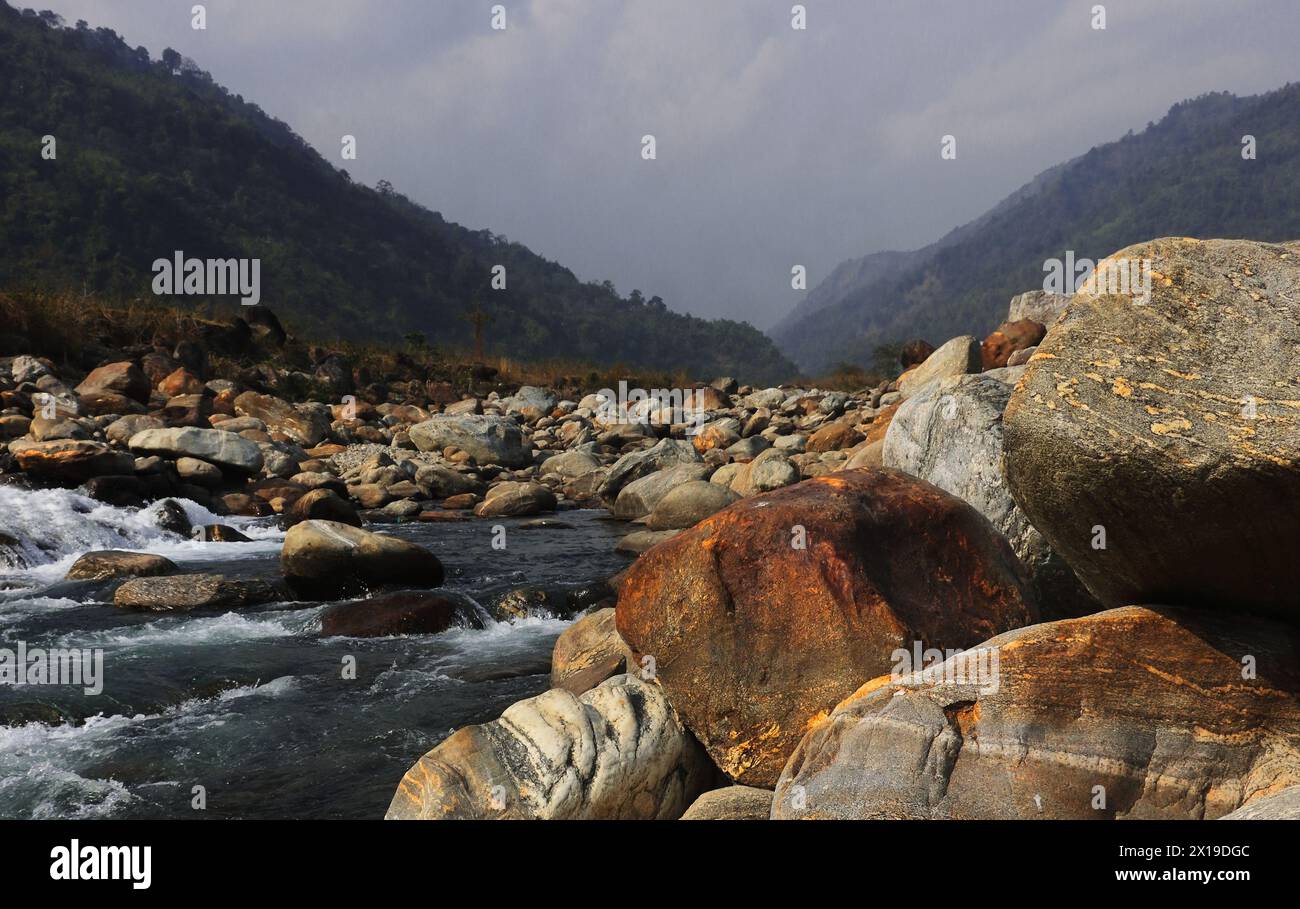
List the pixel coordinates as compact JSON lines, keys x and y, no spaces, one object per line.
{"x":323,"y":559}
{"x":113,"y":563}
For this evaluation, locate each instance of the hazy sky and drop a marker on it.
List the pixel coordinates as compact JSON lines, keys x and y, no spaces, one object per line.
{"x":775,"y":147}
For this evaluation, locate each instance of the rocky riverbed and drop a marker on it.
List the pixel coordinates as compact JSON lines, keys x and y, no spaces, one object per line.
{"x":1049,"y":574}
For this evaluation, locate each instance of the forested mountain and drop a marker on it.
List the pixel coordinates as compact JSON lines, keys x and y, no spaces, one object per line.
{"x":1183,"y":176}
{"x":153,"y":156}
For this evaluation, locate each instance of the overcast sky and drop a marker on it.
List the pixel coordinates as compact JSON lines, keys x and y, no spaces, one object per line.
{"x":775,"y":147}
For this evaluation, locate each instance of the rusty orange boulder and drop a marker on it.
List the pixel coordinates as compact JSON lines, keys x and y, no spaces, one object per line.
{"x":765,"y":615}
{"x":1008,"y":338}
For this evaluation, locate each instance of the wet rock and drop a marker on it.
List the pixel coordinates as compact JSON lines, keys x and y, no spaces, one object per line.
{"x":515,"y":499}
{"x":324,"y":505}
{"x":187,"y":592}
{"x":112,"y":563}
{"x":326,"y":559}
{"x":1137,"y":712}
{"x":618,"y":752}
{"x":399,"y":613}
{"x":768,"y":613}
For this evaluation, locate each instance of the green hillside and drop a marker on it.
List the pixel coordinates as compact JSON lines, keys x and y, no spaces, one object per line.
{"x":1184,"y":176}
{"x":153,"y":156}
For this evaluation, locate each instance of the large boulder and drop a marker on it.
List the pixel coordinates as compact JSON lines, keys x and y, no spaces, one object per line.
{"x":1137,"y":712}
{"x":322,"y":504}
{"x":70,"y":460}
{"x":618,"y":752}
{"x":102,"y":564}
{"x":488,"y":438}
{"x":215,"y":446}
{"x":950,"y":434}
{"x":637,"y":464}
{"x":957,"y":357}
{"x":588,"y":652}
{"x":305,"y":425}
{"x":771,"y":611}
{"x":186,"y":592}
{"x":770,"y":470}
{"x":688,"y":504}
{"x":1156,"y":444}
{"x":325,"y":559}
{"x":638,"y":498}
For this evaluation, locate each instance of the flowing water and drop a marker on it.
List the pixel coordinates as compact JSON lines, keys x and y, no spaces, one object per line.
{"x":252,"y":706}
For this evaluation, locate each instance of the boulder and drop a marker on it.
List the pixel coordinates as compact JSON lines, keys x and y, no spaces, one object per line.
{"x":1278,"y":806}
{"x":638,"y":498}
{"x":637,"y":464}
{"x":1155,"y":444}
{"x":950,"y":434}
{"x":957,"y":357}
{"x":1039,"y":305}
{"x":399,"y":613}
{"x":770,"y":470}
{"x":326,"y":559}
{"x":1136,"y":712}
{"x":125,"y":379}
{"x":224,"y":449}
{"x":323,"y":504}
{"x":186,"y":592}
{"x":1008,"y":338}
{"x":731,"y":803}
{"x":570,"y":465}
{"x":69,"y":460}
{"x":688,"y":504}
{"x":914,"y":353}
{"x":618,"y":752}
{"x":771,"y":611}
{"x":834,"y":437}
{"x":515,"y":499}
{"x":113,"y":563}
{"x":306,"y":426}
{"x":488,"y":438}
{"x":588,"y":652}
{"x":121,"y":430}
{"x":443,"y":483}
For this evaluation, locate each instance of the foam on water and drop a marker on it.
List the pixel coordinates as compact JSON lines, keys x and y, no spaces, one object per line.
{"x":54,"y":527}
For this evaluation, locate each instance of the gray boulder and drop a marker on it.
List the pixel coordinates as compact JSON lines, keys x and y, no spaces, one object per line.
{"x":688,"y":504}
{"x":636,"y":464}
{"x":1153,"y":442}
{"x":224,"y":449}
{"x":640,"y":497}
{"x":488,"y":438}
{"x":954,"y":358}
